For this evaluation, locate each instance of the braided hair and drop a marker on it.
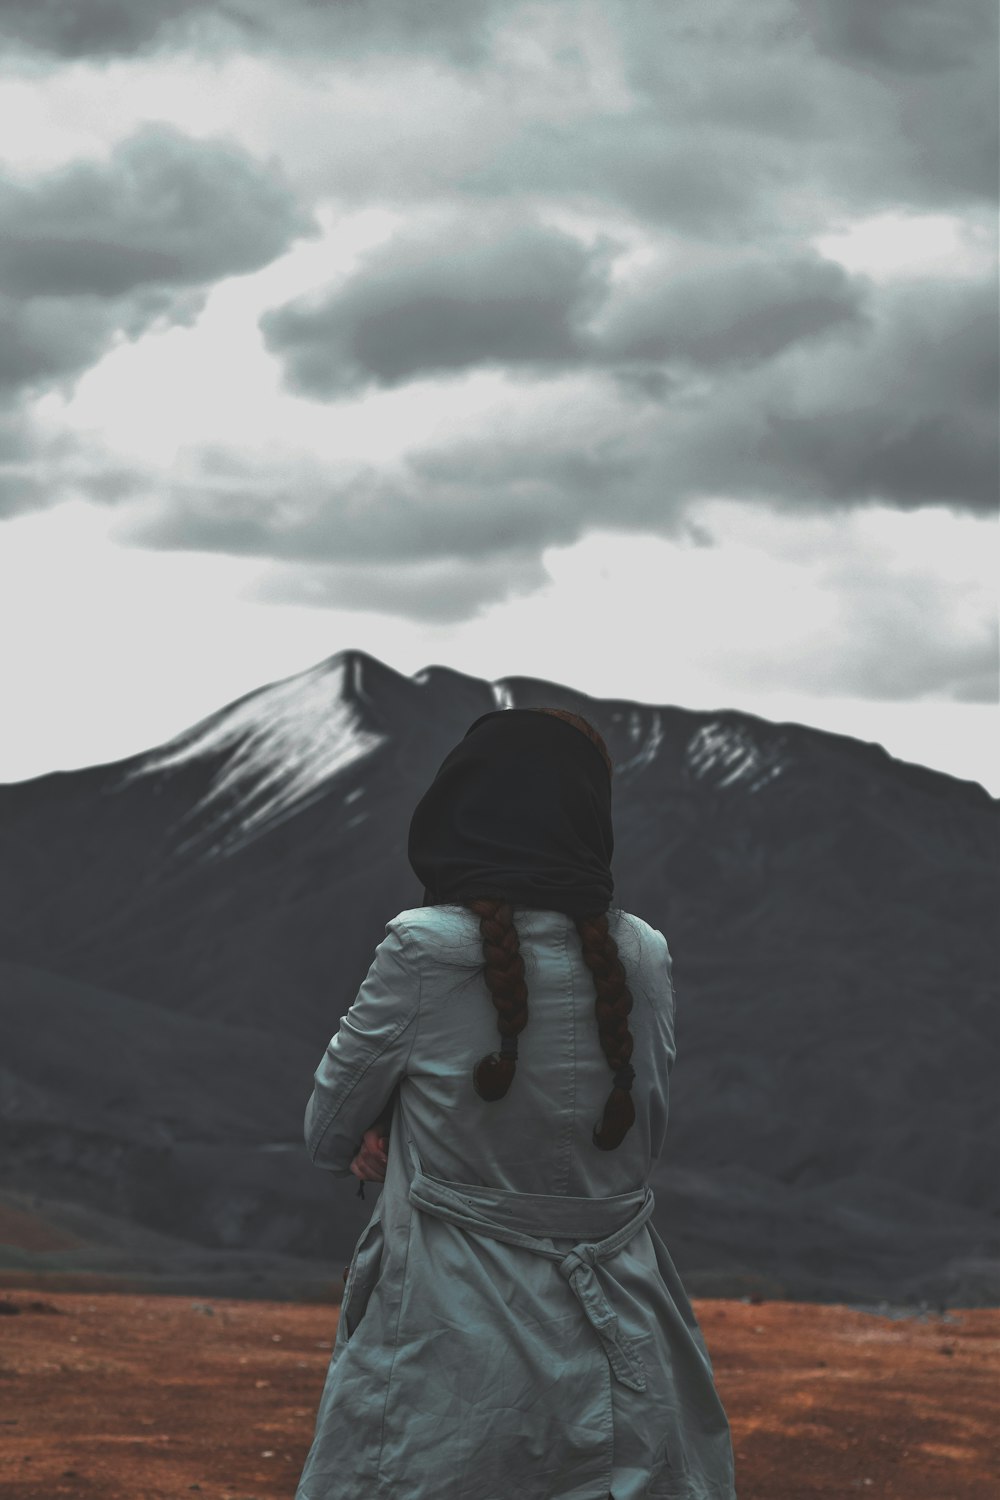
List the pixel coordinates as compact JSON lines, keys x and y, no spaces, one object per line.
{"x":503,"y":971}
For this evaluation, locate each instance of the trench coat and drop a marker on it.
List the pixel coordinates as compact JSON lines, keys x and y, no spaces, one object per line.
{"x":512,"y":1324}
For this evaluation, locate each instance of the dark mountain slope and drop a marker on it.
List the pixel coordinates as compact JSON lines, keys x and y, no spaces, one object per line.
{"x":830,"y":910}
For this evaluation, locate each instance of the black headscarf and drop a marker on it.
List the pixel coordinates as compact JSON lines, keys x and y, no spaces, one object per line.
{"x":519,"y":810}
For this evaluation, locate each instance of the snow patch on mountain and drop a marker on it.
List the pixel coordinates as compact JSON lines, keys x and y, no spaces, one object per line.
{"x":283,"y":744}
{"x":727,"y":753}
{"x":647,"y":741}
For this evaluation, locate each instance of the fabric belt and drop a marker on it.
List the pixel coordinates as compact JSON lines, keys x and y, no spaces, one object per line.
{"x":499,"y":1214}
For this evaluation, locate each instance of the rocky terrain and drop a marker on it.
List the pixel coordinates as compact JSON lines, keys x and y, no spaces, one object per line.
{"x":181,"y":931}
{"x":108,"y":1397}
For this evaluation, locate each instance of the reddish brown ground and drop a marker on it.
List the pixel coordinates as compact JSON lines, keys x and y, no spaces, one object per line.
{"x":108,"y":1396}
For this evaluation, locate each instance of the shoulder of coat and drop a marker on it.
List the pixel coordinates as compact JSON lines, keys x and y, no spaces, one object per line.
{"x":647,"y":936}
{"x":433,"y":921}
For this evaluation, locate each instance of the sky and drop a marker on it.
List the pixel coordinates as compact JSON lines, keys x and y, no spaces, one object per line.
{"x":650,"y":349}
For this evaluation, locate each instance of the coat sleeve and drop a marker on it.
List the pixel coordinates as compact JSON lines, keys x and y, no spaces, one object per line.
{"x":365,"y":1061}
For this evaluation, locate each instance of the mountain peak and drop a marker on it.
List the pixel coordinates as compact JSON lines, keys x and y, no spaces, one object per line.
{"x":278,"y":748}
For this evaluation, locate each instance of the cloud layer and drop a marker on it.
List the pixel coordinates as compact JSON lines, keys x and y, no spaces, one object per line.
{"x":91,"y":28}
{"x":470,"y":294}
{"x":103,"y":250}
{"x":125,"y":28}
{"x":163,"y":210}
{"x":610,"y":210}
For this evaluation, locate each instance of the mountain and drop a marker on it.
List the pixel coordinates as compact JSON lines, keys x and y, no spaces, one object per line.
{"x":831,"y":911}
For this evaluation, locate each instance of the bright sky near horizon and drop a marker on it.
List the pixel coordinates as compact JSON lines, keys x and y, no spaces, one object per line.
{"x":647,"y":349}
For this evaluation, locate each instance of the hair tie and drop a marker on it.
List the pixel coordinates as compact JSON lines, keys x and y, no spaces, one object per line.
{"x":508,"y":1047}
{"x":624,"y":1076}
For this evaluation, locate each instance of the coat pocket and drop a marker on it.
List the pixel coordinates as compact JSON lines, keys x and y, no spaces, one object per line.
{"x":363,"y":1273}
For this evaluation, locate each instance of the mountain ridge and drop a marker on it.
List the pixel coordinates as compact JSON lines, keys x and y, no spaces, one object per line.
{"x":357,"y":661}
{"x":830,"y":911}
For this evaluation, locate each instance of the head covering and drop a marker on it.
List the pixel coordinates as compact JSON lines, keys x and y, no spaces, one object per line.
{"x":519,"y":810}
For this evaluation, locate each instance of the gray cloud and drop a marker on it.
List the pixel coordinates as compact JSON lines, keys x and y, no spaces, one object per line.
{"x":661,"y":167}
{"x":936,"y":69}
{"x":891,"y":634}
{"x":20,"y":484}
{"x":96,"y":28}
{"x":473,"y":293}
{"x":740,"y":364}
{"x":743,"y":117}
{"x":436,"y":592}
{"x":464,"y":524}
{"x":459,"y":503}
{"x":162,"y":210}
{"x":467,"y":294}
{"x":457,"y":29}
{"x":911,"y":417}
{"x":102,"y":251}
{"x":904,"y":36}
{"x":47,"y":340}
{"x":913,"y":654}
{"x":743,"y":309}
{"x":904,"y":643}
{"x":748,"y":120}
{"x":44,"y":340}
{"x":902,"y":412}
{"x":108,"y":28}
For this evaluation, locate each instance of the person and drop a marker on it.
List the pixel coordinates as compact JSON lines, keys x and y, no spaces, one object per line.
{"x":512,"y":1324}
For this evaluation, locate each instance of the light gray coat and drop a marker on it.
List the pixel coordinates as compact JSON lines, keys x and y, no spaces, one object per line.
{"x":512,"y":1323}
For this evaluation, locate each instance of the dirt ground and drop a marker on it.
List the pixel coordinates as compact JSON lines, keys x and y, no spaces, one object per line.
{"x":108,"y":1396}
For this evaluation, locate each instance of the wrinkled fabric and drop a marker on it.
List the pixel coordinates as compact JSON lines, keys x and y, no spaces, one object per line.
{"x":512,"y":1323}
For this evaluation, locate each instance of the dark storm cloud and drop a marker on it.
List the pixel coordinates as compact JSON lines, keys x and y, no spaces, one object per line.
{"x":907,"y":36}
{"x":464,"y":528}
{"x":107,"y":28}
{"x":43,"y":340}
{"x":936,"y":65}
{"x":458,"y":29}
{"x":665,"y":169}
{"x":97,"y":252}
{"x":747,"y":120}
{"x":49,"y":340}
{"x":901,"y":410}
{"x":744,"y":120}
{"x":473,"y":294}
{"x":741,"y":364}
{"x":904,"y":36}
{"x":92,"y":28}
{"x":745,"y":309}
{"x":162,"y":210}
{"x":910,"y":417}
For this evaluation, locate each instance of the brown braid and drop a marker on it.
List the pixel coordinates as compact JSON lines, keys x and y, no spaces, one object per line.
{"x":613,"y":1004}
{"x":504,"y":975}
